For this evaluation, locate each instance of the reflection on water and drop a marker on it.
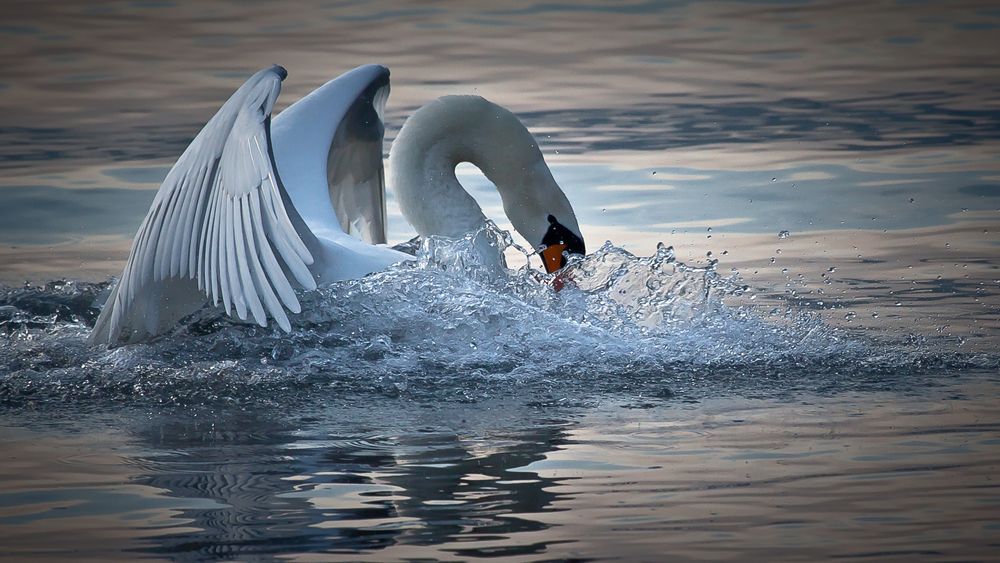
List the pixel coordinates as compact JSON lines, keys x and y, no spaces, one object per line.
{"x":283,"y":491}
{"x":867,"y":134}
{"x":871,"y":475}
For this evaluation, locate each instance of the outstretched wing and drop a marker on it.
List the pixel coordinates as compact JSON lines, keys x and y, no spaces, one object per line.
{"x":217,"y":229}
{"x":328,"y":148}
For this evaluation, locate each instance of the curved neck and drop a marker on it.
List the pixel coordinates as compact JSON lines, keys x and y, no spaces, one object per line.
{"x":456,"y":129}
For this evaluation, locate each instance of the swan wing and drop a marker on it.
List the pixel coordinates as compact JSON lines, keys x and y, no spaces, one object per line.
{"x":328,"y":150}
{"x":218,"y":229}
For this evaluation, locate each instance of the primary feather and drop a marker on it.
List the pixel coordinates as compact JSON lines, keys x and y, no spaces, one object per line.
{"x":217,"y":221}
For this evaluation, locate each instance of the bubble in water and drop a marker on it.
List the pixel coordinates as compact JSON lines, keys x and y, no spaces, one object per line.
{"x":784,"y":234}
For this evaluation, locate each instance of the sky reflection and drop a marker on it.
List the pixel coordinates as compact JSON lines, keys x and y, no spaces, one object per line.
{"x":860,"y":124}
{"x":452,"y":481}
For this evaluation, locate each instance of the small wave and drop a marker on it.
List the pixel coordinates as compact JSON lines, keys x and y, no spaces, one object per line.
{"x":455,"y":324}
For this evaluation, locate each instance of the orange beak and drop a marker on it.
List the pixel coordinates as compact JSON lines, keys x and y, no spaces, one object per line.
{"x":552,"y":257}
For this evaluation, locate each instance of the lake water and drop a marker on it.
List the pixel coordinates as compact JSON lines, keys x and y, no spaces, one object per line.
{"x":811,"y":371}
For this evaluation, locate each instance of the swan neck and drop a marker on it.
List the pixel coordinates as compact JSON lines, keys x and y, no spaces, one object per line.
{"x":458,"y":129}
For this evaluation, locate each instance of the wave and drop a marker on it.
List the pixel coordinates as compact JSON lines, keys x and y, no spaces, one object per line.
{"x":456,"y":324}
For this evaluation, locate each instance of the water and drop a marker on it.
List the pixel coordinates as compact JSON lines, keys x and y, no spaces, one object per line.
{"x":806,"y":368}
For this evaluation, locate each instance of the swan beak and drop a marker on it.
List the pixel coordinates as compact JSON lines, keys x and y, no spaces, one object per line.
{"x":552,"y":257}
{"x":557,"y":241}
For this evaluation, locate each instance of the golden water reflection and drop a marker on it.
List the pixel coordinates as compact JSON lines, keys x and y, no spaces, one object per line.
{"x":847,"y":475}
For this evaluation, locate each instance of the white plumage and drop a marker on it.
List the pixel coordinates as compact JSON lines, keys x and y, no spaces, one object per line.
{"x":253,"y":210}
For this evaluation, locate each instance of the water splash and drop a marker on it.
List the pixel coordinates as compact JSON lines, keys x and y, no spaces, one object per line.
{"x":455,"y":324}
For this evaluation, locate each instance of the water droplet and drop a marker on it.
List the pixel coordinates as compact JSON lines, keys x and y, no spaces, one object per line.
{"x":774,"y":179}
{"x":654,"y":172}
{"x":874,"y":314}
{"x":784,"y":234}
{"x":831,"y":269}
{"x":912,"y":200}
{"x":772,"y":259}
{"x":850,"y":316}
{"x":725,"y":252}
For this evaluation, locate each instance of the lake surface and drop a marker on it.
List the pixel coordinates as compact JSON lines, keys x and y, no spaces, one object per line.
{"x":810,"y":371}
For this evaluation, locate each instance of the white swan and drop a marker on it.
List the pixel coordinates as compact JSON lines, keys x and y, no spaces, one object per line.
{"x":253,"y":209}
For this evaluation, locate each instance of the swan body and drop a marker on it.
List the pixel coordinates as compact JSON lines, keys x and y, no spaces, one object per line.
{"x":256,"y":208}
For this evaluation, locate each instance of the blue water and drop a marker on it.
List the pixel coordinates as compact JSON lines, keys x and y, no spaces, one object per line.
{"x":805,"y":368}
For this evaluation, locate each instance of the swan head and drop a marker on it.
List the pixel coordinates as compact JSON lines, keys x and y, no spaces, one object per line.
{"x":456,"y":129}
{"x":557,"y":243}
{"x":534,"y":202}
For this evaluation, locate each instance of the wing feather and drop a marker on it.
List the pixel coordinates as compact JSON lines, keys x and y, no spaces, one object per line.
{"x":193,"y":227}
{"x":267,"y":297}
{"x":186,"y":213}
{"x":292,"y":251}
{"x":231,"y":288}
{"x":250,"y":298}
{"x":272,"y":268}
{"x":217,"y":229}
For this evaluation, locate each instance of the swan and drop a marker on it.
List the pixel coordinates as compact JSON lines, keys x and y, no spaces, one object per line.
{"x":255,"y":208}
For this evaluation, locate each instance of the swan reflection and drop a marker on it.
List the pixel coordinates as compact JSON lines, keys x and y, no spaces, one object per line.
{"x":277,"y":491}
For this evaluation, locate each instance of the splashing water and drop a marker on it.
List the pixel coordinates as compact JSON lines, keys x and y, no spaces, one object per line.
{"x":456,"y":323}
